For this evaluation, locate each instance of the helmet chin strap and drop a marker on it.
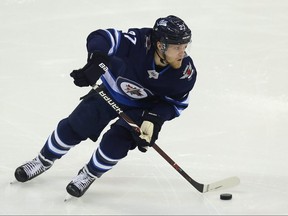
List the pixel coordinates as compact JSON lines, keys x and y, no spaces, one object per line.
{"x":162,"y":60}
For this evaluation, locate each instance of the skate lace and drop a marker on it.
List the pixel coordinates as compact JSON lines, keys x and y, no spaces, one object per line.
{"x":83,"y":180}
{"x":34,"y":167}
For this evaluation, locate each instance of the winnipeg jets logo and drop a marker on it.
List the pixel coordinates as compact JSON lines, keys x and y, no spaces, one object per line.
{"x":132,"y":90}
{"x":153,"y":74}
{"x":188,"y":72}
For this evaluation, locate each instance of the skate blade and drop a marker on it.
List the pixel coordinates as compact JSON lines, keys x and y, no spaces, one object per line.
{"x":68,"y":198}
{"x":14,"y":182}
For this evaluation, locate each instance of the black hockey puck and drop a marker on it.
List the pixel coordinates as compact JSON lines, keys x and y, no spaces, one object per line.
{"x":226,"y":196}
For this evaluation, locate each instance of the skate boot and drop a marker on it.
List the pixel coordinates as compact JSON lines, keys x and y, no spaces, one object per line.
{"x":32,"y":168}
{"x":80,"y":184}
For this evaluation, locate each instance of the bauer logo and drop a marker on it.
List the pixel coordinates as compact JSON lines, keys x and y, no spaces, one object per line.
{"x":162,"y":23}
{"x":110,"y":102}
{"x":104,"y":67}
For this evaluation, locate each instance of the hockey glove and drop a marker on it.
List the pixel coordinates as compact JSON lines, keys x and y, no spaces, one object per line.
{"x":150,"y":128}
{"x":88,"y":75}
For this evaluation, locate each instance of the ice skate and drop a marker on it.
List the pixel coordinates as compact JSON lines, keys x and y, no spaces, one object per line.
{"x":32,"y":168}
{"x":80,"y":184}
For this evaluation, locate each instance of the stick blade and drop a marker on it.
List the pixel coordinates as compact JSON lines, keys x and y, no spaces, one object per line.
{"x":222,"y":184}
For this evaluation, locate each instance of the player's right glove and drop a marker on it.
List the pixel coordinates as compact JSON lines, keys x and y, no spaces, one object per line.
{"x":88,"y":75}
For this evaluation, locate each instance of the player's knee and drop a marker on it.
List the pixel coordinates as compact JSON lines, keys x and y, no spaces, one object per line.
{"x":116,"y":142}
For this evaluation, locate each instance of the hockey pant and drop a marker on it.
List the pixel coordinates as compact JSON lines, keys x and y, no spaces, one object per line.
{"x":87,"y":121}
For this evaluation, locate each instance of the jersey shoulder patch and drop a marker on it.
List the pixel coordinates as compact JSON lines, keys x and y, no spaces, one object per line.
{"x":188,"y":72}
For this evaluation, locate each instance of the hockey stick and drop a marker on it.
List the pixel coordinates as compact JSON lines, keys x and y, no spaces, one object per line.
{"x":203,"y":188}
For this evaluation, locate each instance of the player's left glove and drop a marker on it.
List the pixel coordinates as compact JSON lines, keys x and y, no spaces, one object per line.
{"x":88,"y":75}
{"x":150,"y":128}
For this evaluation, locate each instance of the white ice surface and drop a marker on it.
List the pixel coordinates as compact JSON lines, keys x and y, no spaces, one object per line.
{"x":236,"y":123}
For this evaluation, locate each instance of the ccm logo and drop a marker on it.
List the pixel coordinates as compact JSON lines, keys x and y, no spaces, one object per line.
{"x":103,"y":66}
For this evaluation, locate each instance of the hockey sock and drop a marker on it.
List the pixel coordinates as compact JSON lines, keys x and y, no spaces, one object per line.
{"x":60,"y":141}
{"x":100,"y":163}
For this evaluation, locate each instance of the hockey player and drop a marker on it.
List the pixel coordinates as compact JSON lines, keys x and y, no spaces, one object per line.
{"x":147,"y":72}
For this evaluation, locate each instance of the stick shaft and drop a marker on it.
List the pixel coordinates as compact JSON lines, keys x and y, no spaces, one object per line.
{"x":126,"y":118}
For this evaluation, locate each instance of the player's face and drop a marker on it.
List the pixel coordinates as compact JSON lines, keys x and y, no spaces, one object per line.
{"x":175,"y":54}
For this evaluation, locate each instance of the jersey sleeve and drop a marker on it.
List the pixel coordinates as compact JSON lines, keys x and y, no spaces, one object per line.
{"x":172,"y":106}
{"x":104,"y":40}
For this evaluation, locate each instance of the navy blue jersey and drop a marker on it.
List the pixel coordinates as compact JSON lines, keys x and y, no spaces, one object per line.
{"x":134,"y":80}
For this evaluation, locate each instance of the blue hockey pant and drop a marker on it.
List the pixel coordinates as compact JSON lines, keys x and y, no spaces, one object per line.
{"x":87,"y":121}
